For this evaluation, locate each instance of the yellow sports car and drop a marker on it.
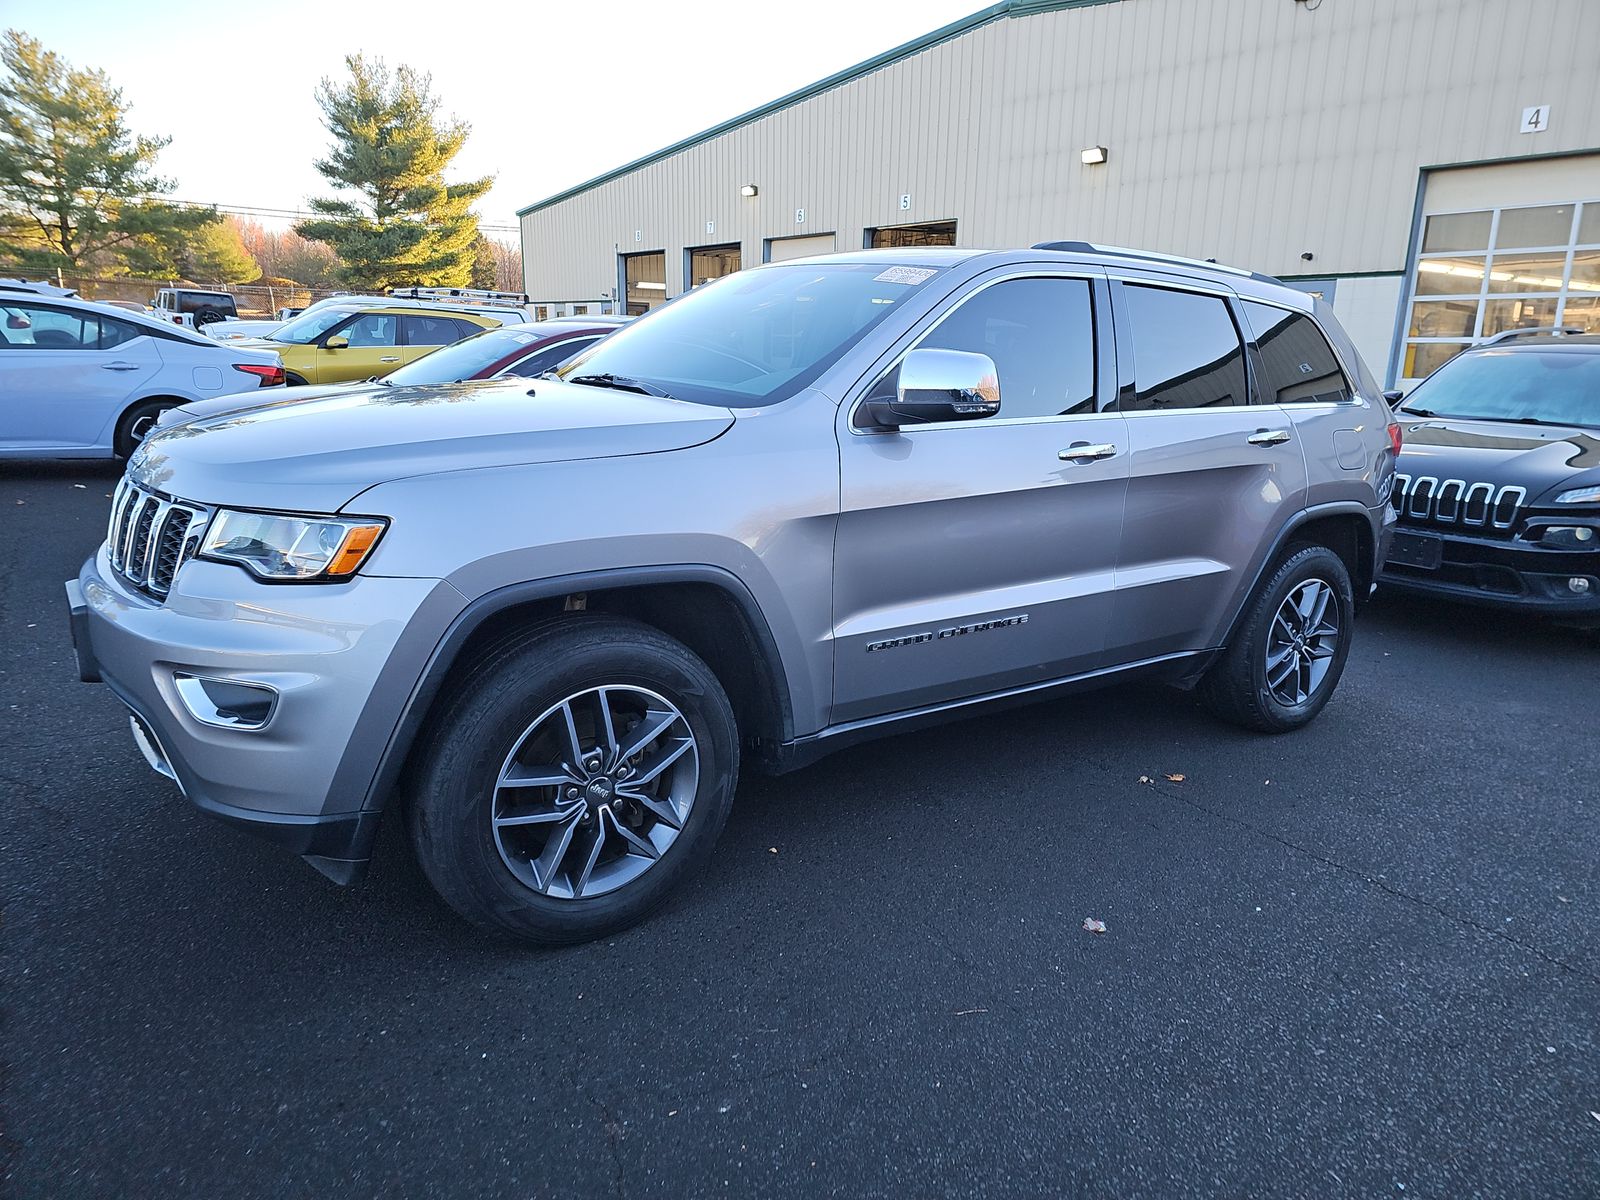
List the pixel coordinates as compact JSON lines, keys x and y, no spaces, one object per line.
{"x":361,"y":340}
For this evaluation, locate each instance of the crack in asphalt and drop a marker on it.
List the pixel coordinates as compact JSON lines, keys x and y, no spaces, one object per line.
{"x":613,"y":1132}
{"x":1381,"y":885}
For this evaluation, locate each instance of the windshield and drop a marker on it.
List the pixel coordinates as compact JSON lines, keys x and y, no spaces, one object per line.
{"x":464,"y":359}
{"x":756,"y":337}
{"x":309,"y":326}
{"x":1552,"y":387}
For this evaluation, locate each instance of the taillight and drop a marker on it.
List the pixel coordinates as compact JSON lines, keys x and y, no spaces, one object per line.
{"x":269,"y":376}
{"x":1395,"y":440}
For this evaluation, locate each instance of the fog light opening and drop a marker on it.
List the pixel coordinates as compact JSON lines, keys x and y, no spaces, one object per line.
{"x":1578,"y":584}
{"x":226,"y":703}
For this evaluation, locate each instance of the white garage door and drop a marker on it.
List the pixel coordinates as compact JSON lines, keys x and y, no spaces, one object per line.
{"x":1508,"y":246}
{"x":781,"y":249}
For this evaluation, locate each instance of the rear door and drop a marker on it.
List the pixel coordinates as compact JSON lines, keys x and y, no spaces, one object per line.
{"x":1214,"y":476}
{"x":976,"y":556}
{"x":66,"y":374}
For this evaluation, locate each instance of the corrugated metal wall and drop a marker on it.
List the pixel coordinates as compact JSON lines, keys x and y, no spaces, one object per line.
{"x":1246,"y":130}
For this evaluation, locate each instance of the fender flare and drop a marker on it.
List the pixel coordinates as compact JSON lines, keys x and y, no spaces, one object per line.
{"x":369,"y":775}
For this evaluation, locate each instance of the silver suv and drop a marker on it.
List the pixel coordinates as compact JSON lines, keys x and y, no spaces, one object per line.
{"x":806,"y":504}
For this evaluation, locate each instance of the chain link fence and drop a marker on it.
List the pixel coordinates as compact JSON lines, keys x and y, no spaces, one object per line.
{"x":260,"y":299}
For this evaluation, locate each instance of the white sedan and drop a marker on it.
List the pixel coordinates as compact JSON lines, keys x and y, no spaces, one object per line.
{"x":86,"y":380}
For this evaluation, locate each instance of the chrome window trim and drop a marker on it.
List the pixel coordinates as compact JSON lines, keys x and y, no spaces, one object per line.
{"x":863,"y":386}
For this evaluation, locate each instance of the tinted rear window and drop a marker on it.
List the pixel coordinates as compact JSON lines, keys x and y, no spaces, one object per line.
{"x":1297,"y":364}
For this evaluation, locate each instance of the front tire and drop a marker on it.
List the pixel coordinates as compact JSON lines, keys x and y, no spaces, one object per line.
{"x":1289,"y":649}
{"x":574,"y":777}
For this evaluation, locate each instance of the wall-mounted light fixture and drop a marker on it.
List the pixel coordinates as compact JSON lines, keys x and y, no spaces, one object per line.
{"x":1093,"y":156}
{"x":649,"y":286}
{"x":748,"y":189}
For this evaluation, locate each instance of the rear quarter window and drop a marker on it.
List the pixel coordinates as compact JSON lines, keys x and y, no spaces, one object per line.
{"x":1295,"y":363}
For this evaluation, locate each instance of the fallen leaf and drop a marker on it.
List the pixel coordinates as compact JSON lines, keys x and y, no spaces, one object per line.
{"x":772,"y":849}
{"x":673,"y":1113}
{"x":1145,"y":779}
{"x":82,"y":487}
{"x":1175,"y":778}
{"x":1093,"y":926}
{"x":1595,"y":1115}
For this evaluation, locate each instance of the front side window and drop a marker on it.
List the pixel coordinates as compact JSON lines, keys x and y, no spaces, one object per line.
{"x":372,"y":329}
{"x":757,"y":337}
{"x":35,"y":327}
{"x":1297,"y":364}
{"x":1186,"y":351}
{"x":1040,"y":334}
{"x":1545,"y":387}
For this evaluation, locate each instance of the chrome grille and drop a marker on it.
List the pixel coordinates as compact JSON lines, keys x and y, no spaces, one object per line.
{"x":1426,"y":498}
{"x":151,"y":536}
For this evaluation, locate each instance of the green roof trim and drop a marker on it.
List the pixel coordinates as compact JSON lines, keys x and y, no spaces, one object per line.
{"x":995,"y":12}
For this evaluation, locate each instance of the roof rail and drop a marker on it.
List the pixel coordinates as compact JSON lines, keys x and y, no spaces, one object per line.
{"x":39,"y":288}
{"x":1081,"y":247}
{"x":459,"y":295}
{"x":1544,"y":331}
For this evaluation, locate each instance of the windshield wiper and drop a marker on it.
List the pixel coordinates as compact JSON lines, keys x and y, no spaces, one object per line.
{"x":1417,"y":412}
{"x":620,"y":383}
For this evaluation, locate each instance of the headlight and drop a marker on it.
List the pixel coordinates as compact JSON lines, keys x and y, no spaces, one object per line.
{"x":286,"y":547}
{"x":1587,"y":495}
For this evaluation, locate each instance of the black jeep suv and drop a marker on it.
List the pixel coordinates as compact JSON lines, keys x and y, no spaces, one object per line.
{"x":1498,"y":486}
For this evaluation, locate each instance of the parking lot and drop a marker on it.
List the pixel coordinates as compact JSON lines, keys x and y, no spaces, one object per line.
{"x":1357,"y":960}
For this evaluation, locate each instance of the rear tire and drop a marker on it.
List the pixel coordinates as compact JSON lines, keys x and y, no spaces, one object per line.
{"x":1289,"y":649}
{"x":567,"y":702}
{"x":136,"y":425}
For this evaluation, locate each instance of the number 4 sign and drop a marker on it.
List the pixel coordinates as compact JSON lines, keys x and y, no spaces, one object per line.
{"x":1536,"y":119}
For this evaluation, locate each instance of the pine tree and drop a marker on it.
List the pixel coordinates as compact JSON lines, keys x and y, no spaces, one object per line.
{"x":75,"y":182}
{"x":217,"y":254}
{"x":405,"y":224}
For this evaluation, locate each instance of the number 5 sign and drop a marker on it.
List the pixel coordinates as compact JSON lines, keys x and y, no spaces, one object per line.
{"x":1536,"y":119}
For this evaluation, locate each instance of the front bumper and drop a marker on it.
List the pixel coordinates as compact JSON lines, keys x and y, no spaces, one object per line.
{"x":321,"y":649}
{"x":1496,"y":573}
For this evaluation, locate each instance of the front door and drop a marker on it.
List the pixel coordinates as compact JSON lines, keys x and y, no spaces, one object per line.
{"x":1213,"y":476}
{"x":423,"y":333}
{"x":373,"y":348}
{"x":66,"y":375}
{"x":972,"y":557}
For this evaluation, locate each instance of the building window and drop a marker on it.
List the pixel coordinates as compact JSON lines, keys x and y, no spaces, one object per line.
{"x":710,"y":262}
{"x":541,"y":313}
{"x":645,"y":277}
{"x":1484,"y":272}
{"x":930,"y":233}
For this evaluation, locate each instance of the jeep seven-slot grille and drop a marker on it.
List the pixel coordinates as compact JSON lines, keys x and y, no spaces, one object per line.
{"x":1427,"y":499}
{"x":151,"y":536}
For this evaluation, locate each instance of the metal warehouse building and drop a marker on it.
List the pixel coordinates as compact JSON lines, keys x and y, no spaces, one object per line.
{"x":1432,"y":167}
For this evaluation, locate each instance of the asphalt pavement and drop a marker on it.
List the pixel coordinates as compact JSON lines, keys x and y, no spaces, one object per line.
{"x":1359,"y":960}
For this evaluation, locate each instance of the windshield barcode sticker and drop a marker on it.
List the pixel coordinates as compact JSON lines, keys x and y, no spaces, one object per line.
{"x":905,"y":275}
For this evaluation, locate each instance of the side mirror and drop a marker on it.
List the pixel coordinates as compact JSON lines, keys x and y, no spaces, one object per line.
{"x":18,"y":321}
{"x":336,"y":343}
{"x":1393,"y":398}
{"x":938,"y":385}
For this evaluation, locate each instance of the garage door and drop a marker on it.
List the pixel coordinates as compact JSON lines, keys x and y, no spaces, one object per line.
{"x":780,"y":249}
{"x":1507,"y":246}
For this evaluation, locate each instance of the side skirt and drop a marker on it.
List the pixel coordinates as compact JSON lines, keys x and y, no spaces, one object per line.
{"x":1183,"y":667}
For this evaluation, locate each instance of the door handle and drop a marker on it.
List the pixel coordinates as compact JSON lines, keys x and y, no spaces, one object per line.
{"x":1083,"y":450}
{"x":390,"y":358}
{"x":1268,"y":437}
{"x":119,"y":366}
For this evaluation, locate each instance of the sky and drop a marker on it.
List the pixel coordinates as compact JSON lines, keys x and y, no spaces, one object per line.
{"x":556,"y":91}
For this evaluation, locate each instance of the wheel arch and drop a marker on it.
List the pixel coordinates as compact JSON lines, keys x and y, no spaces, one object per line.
{"x":115,"y":428}
{"x":1345,"y":527}
{"x":706,"y":608}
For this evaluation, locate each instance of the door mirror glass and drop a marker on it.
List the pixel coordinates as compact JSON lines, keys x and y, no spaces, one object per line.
{"x":18,"y":321}
{"x":337,"y":342}
{"x":938,"y":385}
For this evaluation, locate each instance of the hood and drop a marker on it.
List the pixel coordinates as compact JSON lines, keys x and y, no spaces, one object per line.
{"x":314,"y":455}
{"x":1537,"y":457}
{"x":239,"y":402}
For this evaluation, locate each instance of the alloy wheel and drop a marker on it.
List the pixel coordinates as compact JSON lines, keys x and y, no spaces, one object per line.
{"x":1302,"y":642}
{"x":594,"y":792}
